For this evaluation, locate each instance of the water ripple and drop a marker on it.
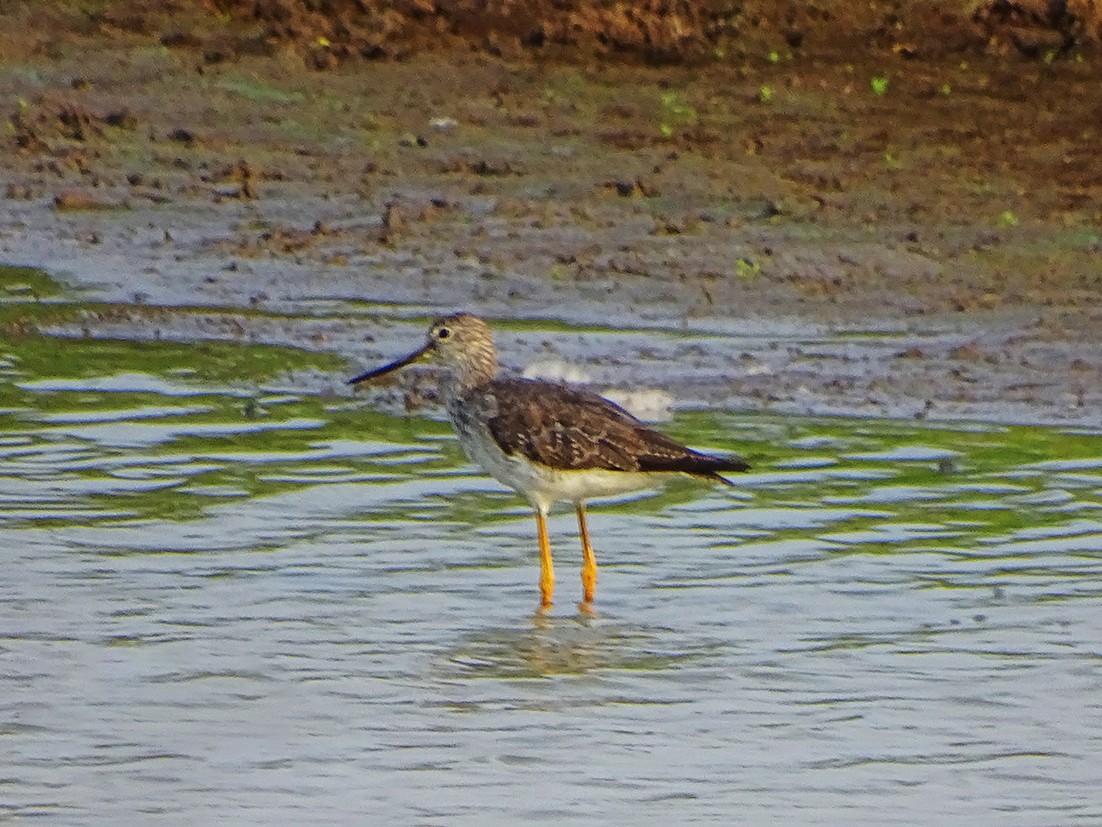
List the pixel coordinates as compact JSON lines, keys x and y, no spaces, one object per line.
{"x":325,"y":614}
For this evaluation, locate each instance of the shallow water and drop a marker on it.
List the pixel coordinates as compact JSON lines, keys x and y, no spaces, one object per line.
{"x":224,"y":607}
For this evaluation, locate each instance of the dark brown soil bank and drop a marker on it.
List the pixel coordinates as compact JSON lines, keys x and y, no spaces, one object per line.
{"x":660,"y":31}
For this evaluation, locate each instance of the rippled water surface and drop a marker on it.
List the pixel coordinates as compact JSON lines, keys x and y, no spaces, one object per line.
{"x":228,"y":607}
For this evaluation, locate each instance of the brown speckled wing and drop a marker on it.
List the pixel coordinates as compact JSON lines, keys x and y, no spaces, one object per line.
{"x":569,"y":428}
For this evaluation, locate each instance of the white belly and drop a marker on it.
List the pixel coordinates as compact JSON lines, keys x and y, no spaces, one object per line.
{"x":543,"y":486}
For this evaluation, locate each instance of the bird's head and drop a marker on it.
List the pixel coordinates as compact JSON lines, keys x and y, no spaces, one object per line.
{"x":461,"y":342}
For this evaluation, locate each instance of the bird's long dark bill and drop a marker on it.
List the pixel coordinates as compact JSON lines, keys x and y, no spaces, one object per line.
{"x":401,"y":363}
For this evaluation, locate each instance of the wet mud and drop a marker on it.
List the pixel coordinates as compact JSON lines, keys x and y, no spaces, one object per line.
{"x":824,"y":215}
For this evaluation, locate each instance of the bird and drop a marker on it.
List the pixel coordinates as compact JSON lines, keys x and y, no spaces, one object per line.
{"x":548,"y":441}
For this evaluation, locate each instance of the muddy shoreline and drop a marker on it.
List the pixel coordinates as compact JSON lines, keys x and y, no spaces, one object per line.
{"x":853,"y":234}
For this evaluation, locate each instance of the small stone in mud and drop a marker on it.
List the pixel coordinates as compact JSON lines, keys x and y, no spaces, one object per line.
{"x":151,"y":195}
{"x":492,"y":167}
{"x":76,"y":123}
{"x":248,"y":191}
{"x":672,"y":227}
{"x":228,"y":194}
{"x":771,"y":209}
{"x":182,"y":136}
{"x":121,"y":119}
{"x":393,"y":221}
{"x":633,"y":188}
{"x":970,"y":352}
{"x":181,"y":39}
{"x":74,"y":200}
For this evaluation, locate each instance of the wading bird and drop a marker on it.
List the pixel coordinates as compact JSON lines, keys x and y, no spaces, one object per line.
{"x":548,"y":441}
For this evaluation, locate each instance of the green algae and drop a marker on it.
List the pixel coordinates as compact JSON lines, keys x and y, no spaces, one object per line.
{"x":169,"y":433}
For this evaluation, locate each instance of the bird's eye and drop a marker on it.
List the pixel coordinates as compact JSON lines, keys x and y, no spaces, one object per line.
{"x":443,"y":333}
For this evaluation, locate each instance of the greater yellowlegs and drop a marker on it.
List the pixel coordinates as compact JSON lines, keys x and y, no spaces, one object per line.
{"x":548,"y":441}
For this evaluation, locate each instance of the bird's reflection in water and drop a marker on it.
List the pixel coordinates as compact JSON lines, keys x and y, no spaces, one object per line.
{"x":551,"y":645}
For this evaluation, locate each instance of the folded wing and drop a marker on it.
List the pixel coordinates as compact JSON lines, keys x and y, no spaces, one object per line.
{"x":573,"y":429}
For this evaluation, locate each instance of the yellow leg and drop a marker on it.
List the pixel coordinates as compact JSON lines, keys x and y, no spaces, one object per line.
{"x":547,"y":567}
{"x":589,"y":561}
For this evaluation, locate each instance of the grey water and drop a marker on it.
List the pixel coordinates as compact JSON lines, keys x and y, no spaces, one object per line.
{"x":293,"y":610}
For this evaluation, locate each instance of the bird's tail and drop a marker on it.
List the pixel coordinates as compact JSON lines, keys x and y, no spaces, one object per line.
{"x":701,"y":465}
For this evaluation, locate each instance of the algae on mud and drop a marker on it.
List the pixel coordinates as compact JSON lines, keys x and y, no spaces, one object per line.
{"x":24,"y":316}
{"x":80,"y":389}
{"x":227,"y":435}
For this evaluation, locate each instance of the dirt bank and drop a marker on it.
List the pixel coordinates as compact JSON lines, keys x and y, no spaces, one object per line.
{"x":329,"y":32}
